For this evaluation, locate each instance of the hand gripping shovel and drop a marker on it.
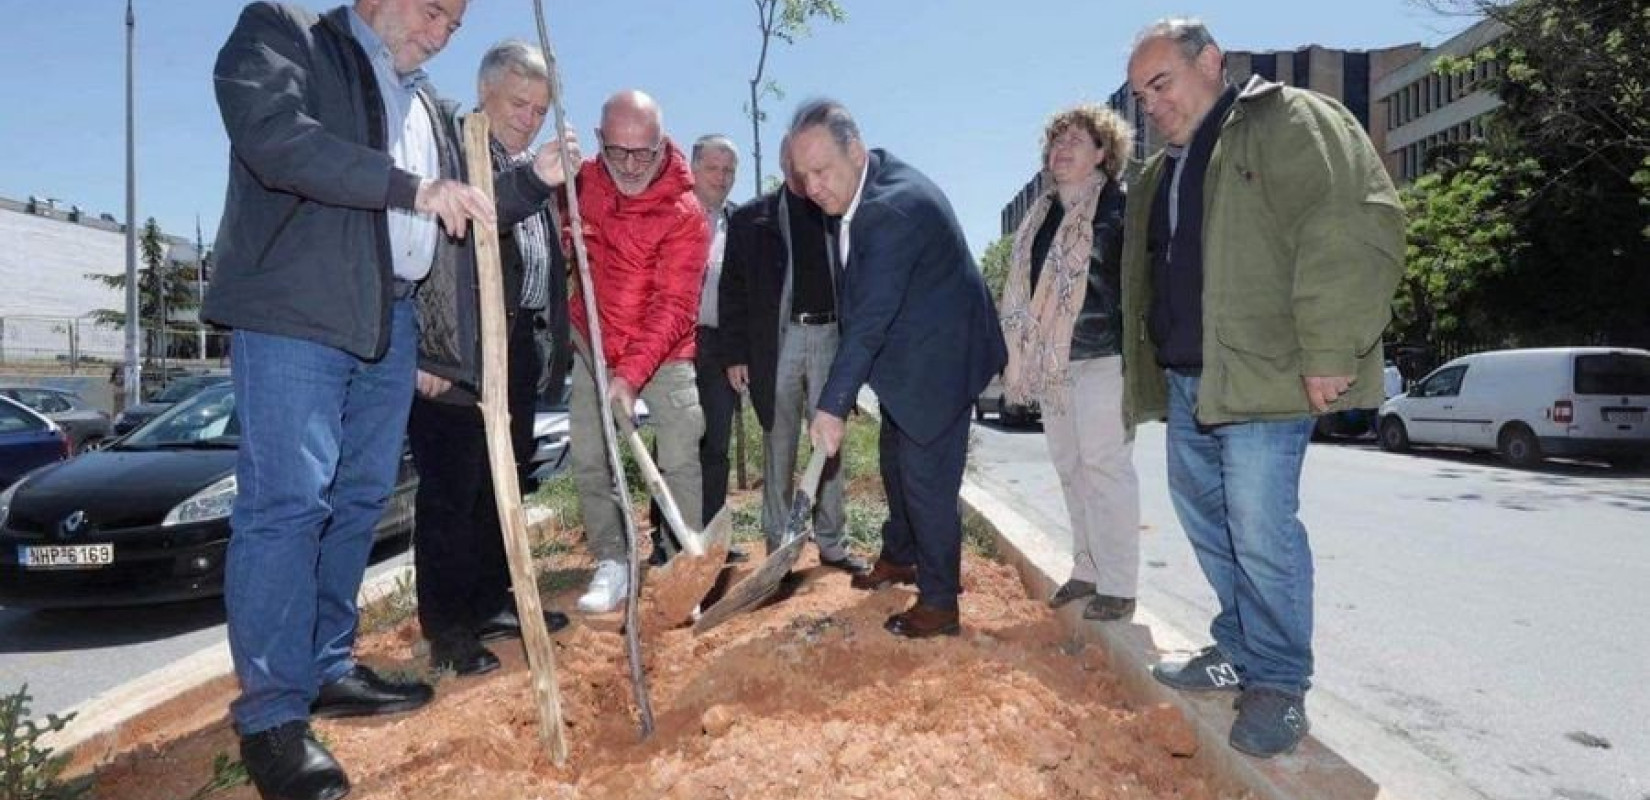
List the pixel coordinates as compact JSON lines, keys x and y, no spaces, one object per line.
{"x":679,"y":586}
{"x":759,"y":585}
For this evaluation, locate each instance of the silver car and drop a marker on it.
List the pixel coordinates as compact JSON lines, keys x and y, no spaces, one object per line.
{"x":85,"y":425}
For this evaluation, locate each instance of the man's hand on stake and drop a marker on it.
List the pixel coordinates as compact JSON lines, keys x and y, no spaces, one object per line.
{"x":548,"y":164}
{"x":456,"y":204}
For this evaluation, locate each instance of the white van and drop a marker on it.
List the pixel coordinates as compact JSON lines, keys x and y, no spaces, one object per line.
{"x":1530,"y":404}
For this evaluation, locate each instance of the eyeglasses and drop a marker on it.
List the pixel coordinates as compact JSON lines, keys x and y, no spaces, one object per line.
{"x":642,"y":156}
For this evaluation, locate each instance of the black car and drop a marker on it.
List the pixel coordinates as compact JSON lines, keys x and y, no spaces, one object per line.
{"x":145,"y":520}
{"x":177,"y":390}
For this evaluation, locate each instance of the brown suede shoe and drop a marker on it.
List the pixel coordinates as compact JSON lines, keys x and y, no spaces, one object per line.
{"x":885,"y":573}
{"x":921,"y":622}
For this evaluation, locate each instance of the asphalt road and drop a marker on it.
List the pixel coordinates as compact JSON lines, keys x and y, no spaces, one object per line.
{"x":68,"y":657}
{"x":1489,"y":620}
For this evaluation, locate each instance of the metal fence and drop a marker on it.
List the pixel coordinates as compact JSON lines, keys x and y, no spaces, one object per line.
{"x":80,"y":343}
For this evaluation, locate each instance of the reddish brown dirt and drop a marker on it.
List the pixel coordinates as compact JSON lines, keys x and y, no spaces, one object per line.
{"x":805,"y":698}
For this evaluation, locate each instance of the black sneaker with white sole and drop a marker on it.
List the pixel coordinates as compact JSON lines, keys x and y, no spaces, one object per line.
{"x":1208,"y":671}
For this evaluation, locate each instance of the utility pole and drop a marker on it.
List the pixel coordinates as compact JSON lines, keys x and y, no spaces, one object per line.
{"x":200,"y":290}
{"x":134,"y":370}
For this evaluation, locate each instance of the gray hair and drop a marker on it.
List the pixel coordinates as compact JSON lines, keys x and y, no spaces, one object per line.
{"x":829,"y":113}
{"x":1188,"y":33}
{"x":512,"y":55}
{"x":714,"y":141}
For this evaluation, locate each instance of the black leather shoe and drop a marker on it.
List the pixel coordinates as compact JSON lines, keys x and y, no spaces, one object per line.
{"x":462,"y":657}
{"x":506,"y":625}
{"x":361,"y":693}
{"x":287,"y":763}
{"x":849,"y":563}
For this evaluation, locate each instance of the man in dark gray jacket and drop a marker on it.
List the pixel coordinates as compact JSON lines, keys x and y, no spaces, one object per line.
{"x":340,"y":167}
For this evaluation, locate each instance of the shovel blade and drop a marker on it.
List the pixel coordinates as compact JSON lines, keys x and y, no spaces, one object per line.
{"x":756,"y":587}
{"x":679,"y":587}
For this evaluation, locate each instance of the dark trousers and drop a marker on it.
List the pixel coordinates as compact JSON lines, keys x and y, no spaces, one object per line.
{"x":924,"y":527}
{"x":720,"y":401}
{"x":458,"y":543}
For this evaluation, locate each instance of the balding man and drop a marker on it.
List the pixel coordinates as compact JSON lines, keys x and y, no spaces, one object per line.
{"x":648,"y":241}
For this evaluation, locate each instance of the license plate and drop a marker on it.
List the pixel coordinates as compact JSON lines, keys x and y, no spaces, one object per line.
{"x":1624,"y":416}
{"x":68,"y":556}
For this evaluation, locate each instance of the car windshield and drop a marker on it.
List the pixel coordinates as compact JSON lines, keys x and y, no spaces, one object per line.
{"x":182,"y":388}
{"x":204,"y":420}
{"x":1613,"y":373}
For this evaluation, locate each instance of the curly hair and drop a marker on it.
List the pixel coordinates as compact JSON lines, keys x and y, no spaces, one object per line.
{"x":1106,"y":127}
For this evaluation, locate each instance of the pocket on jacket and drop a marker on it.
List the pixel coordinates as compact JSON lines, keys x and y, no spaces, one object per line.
{"x":1260,"y":365}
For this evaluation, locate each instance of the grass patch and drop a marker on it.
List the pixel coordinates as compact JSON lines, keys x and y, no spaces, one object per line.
{"x":394,"y":608}
{"x":227,"y":773}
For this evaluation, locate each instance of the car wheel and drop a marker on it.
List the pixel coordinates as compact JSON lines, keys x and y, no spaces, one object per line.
{"x":1394,"y":438}
{"x":1519,"y":446}
{"x":1626,"y":462}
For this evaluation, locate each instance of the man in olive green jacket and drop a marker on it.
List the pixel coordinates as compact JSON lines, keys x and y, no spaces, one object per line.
{"x":1261,"y":254}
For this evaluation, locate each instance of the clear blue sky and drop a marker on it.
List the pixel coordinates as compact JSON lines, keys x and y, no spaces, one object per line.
{"x":957,"y":87}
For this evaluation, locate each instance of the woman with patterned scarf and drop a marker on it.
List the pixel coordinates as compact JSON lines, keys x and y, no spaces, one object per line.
{"x":1064,"y":326}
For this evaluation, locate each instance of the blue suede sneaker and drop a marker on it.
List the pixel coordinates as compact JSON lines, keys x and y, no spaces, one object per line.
{"x":1269,"y":722}
{"x":1208,"y":671}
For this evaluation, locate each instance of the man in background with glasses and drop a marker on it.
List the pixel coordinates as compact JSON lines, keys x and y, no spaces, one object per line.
{"x":648,"y":240}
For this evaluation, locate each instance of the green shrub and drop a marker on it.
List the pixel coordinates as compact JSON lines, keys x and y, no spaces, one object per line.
{"x":28,"y":769}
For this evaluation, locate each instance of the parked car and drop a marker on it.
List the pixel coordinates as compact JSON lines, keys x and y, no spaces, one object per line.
{"x":178,"y":389}
{"x":145,"y":520}
{"x":27,"y":440}
{"x":84,"y":425}
{"x":1010,"y":414}
{"x":1530,"y":404}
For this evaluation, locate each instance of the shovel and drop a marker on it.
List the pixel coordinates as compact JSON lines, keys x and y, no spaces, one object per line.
{"x":681,"y":585}
{"x":761,"y":584}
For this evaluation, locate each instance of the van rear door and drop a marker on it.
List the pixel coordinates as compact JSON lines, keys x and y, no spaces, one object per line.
{"x":1612,"y":396}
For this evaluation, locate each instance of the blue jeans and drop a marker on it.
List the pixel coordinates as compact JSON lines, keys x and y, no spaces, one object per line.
{"x":1236,"y":489}
{"x":321,"y":441}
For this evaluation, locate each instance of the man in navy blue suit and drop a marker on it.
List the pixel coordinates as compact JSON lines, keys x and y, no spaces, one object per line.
{"x":917,"y":325}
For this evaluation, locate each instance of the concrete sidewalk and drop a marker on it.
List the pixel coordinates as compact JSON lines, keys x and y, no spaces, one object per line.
{"x":1014,"y":489}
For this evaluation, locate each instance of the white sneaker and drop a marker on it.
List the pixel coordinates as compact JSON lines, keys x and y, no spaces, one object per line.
{"x":607,"y":590}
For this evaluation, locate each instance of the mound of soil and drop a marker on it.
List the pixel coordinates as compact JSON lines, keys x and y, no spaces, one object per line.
{"x":807,"y":697}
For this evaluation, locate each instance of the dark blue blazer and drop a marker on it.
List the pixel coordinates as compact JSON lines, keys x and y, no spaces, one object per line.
{"x":917,"y":322}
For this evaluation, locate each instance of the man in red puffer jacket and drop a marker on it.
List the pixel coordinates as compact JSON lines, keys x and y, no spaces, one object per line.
{"x":647,"y":240}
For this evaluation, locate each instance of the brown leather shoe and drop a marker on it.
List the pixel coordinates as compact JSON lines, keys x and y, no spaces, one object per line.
{"x":883,"y":574}
{"x":921,"y":622}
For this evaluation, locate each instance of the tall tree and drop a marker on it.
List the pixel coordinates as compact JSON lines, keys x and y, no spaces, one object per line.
{"x":1574,"y":77}
{"x":163,"y":289}
{"x":994,"y":265}
{"x":784,"y":20}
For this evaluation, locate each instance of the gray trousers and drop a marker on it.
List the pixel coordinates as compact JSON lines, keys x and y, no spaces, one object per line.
{"x":805,"y":356}
{"x":1093,"y":454}
{"x":672,"y":398}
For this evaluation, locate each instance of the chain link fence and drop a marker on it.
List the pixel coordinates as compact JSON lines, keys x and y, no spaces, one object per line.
{"x":80,"y":344}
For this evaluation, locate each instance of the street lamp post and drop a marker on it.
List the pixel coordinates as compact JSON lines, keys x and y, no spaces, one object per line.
{"x":134,"y":370}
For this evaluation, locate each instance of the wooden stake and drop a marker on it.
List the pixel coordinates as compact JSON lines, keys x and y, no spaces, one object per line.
{"x":501,"y":456}
{"x":598,"y":363}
